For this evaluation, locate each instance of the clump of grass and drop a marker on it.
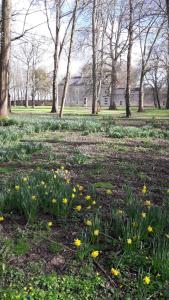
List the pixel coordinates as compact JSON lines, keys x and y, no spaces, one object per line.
{"x":44,"y":192}
{"x":21,"y":151}
{"x":79,"y":158}
{"x":57,"y":287}
{"x":133,"y":132}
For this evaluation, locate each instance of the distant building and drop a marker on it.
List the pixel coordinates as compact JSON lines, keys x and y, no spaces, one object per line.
{"x":80,"y":94}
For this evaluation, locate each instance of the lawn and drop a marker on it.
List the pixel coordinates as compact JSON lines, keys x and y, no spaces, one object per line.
{"x":84,"y":206}
{"x":149,"y":112}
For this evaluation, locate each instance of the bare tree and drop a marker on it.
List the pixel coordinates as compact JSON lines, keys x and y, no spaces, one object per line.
{"x":156,"y":76}
{"x":167,"y":12}
{"x":58,"y":45}
{"x":69,"y":58}
{"x":117,"y":42}
{"x":5,"y":55}
{"x":58,"y":6}
{"x":148,"y":37}
{"x":129,"y":56}
{"x":94,"y":55}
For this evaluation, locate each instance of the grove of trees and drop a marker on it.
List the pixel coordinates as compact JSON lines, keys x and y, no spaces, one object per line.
{"x":115,"y":38}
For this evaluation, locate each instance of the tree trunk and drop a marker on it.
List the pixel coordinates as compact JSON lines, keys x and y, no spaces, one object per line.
{"x":33,"y":99}
{"x":9,"y":102}
{"x":113,"y":86}
{"x":55,"y":102}
{"x":94,"y":65}
{"x":5,"y":56}
{"x":154,"y":97}
{"x":167,"y":103}
{"x":69,"y":59}
{"x":130,"y":45}
{"x":26,"y":88}
{"x":14,"y":100}
{"x":167,"y":11}
{"x":157,"y":97}
{"x":99,"y":87}
{"x":141,"y":93}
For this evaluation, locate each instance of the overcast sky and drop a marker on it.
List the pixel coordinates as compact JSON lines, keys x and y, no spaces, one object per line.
{"x":36,"y":18}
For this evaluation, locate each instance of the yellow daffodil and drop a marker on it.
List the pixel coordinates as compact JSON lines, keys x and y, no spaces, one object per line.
{"x":54,"y":176}
{"x":17,"y":187}
{"x":143,"y":215}
{"x":88,"y":207}
{"x":1,"y":218}
{"x":146,"y":280}
{"x":88,"y":222}
{"x":42,"y":183}
{"x":95,"y":254}
{"x":50,"y":224}
{"x":62,"y":168}
{"x":108,"y":192}
{"x":144,"y":189}
{"x":65,"y":201}
{"x":34,"y":198}
{"x":67,"y":181}
{"x":96,"y":232}
{"x":81,"y":188}
{"x":54,"y":201}
{"x":120,"y":212}
{"x":93,"y":202}
{"x":148,"y":203}
{"x":78,"y":208}
{"x":25,"y":179}
{"x":115,"y":272}
{"x":74,"y":190}
{"x":73,"y":196}
{"x":77,"y":242}
{"x":150,"y":229}
{"x":129,"y":241}
{"x":88,"y":197}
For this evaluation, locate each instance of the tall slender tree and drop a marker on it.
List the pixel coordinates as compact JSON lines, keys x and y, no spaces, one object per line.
{"x":130,"y":45}
{"x":167,"y":11}
{"x":94,"y":57}
{"x":55,"y":39}
{"x":147,"y":44}
{"x":5,"y":55}
{"x":69,"y":58}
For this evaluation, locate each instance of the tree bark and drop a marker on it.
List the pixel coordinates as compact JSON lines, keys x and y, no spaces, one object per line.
{"x":167,"y":11}
{"x":130,"y":46}
{"x":157,"y":96}
{"x":94,"y":66}
{"x":14,"y":94}
{"x":141,"y":93}
{"x":5,"y":56}
{"x":113,"y":87}
{"x":55,"y":102}
{"x":69,"y":59}
{"x":26,"y":88}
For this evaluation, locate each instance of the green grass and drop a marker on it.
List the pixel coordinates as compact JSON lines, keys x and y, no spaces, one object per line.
{"x":80,"y":111}
{"x":132,"y":239}
{"x":54,"y":287}
{"x":38,"y":223}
